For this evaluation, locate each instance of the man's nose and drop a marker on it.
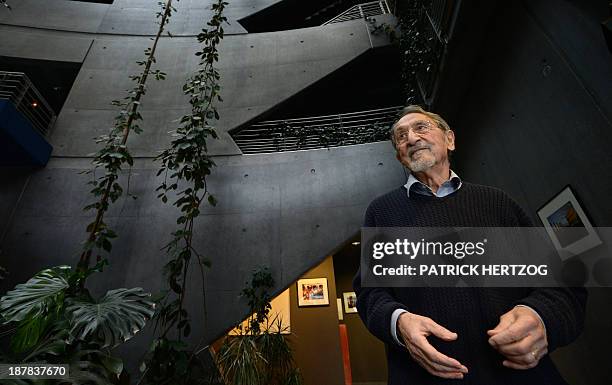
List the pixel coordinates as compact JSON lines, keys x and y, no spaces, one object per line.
{"x":413,"y":138}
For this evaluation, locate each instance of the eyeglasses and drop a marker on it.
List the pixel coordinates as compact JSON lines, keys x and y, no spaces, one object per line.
{"x":419,"y":128}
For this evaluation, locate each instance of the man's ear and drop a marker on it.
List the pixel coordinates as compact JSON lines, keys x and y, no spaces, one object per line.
{"x":398,"y":157}
{"x":450,"y":140}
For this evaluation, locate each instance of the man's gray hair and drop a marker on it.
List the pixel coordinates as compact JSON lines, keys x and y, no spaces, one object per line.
{"x":416,"y":109}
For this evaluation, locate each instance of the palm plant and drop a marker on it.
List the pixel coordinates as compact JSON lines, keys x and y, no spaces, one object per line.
{"x":259,"y":354}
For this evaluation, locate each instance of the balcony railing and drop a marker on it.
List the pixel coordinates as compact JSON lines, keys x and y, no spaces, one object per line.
{"x":361,"y":11}
{"x":19,"y":90}
{"x":440,"y":14}
{"x":317,"y":132}
{"x":433,"y":51}
{"x":430,"y":30}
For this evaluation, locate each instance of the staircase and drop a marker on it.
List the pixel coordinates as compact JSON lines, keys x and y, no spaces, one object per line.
{"x":361,"y":11}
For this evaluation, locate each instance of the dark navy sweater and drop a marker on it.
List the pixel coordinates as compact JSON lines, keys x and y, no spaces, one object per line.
{"x":469,"y":312}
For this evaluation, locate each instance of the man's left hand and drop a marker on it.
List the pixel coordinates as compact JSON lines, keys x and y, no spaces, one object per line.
{"x":520,"y":336}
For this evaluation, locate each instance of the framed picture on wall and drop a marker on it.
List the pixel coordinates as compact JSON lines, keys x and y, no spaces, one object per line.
{"x":567,"y":224}
{"x":312,"y":292}
{"x":350,"y":302}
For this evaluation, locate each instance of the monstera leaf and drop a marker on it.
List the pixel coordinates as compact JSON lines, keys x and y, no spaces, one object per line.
{"x":42,"y":295}
{"x":93,"y":367}
{"x":32,"y":305}
{"x":119,"y":315}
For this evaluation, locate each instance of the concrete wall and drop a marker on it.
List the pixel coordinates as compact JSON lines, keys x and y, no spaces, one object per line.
{"x":287,"y":211}
{"x":123,"y":17}
{"x":536,"y":117}
{"x":250,"y":64}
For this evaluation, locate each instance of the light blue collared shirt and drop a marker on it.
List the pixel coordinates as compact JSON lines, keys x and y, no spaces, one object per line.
{"x":447,"y":188}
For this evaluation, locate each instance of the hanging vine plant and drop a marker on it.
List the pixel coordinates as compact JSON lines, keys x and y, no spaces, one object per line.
{"x":114,"y":155}
{"x":52,"y":317}
{"x":407,"y":34}
{"x":185,"y":165}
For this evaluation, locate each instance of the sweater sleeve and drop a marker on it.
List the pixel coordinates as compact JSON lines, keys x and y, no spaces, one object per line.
{"x":561,"y":308}
{"x":376,"y":305}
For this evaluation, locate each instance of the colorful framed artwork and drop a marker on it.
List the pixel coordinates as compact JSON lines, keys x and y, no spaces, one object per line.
{"x":312,"y":292}
{"x":567,"y":224}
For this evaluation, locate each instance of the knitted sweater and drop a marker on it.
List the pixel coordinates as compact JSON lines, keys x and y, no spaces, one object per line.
{"x":469,"y":312}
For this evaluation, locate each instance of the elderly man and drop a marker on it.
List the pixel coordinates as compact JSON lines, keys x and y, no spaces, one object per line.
{"x":475,"y":335}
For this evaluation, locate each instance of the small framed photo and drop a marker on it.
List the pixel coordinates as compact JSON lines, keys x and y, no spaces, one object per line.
{"x":567,"y":224}
{"x":350,"y":302}
{"x":312,"y":292}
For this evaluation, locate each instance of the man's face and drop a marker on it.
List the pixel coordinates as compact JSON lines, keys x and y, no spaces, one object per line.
{"x":420,"y":143}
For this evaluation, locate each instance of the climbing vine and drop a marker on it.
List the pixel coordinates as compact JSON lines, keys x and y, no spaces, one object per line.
{"x":52,"y":318}
{"x":185,"y":166}
{"x":114,"y":154}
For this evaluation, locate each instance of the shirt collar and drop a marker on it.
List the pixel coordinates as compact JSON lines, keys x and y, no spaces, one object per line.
{"x":450,"y":186}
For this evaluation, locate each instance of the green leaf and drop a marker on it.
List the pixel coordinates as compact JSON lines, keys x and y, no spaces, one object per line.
{"x":86,"y":367}
{"x":212,"y":200}
{"x":241,"y":361}
{"x":53,"y":342}
{"x":117,"y":317}
{"x":107,"y":245}
{"x":41,"y":295}
{"x":28,"y":334}
{"x":112,"y":364}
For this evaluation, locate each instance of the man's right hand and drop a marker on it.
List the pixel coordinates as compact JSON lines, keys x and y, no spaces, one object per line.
{"x":414,"y":330}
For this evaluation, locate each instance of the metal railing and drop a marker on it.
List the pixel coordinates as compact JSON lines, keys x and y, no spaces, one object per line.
{"x":17,"y":87}
{"x":435,"y":23}
{"x":434,"y":48}
{"x":317,"y":132}
{"x":361,"y":11}
{"x":440,"y":14}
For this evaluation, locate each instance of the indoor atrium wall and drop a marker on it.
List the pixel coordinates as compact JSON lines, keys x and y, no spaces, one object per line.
{"x":284,"y":210}
{"x":535,"y":116}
